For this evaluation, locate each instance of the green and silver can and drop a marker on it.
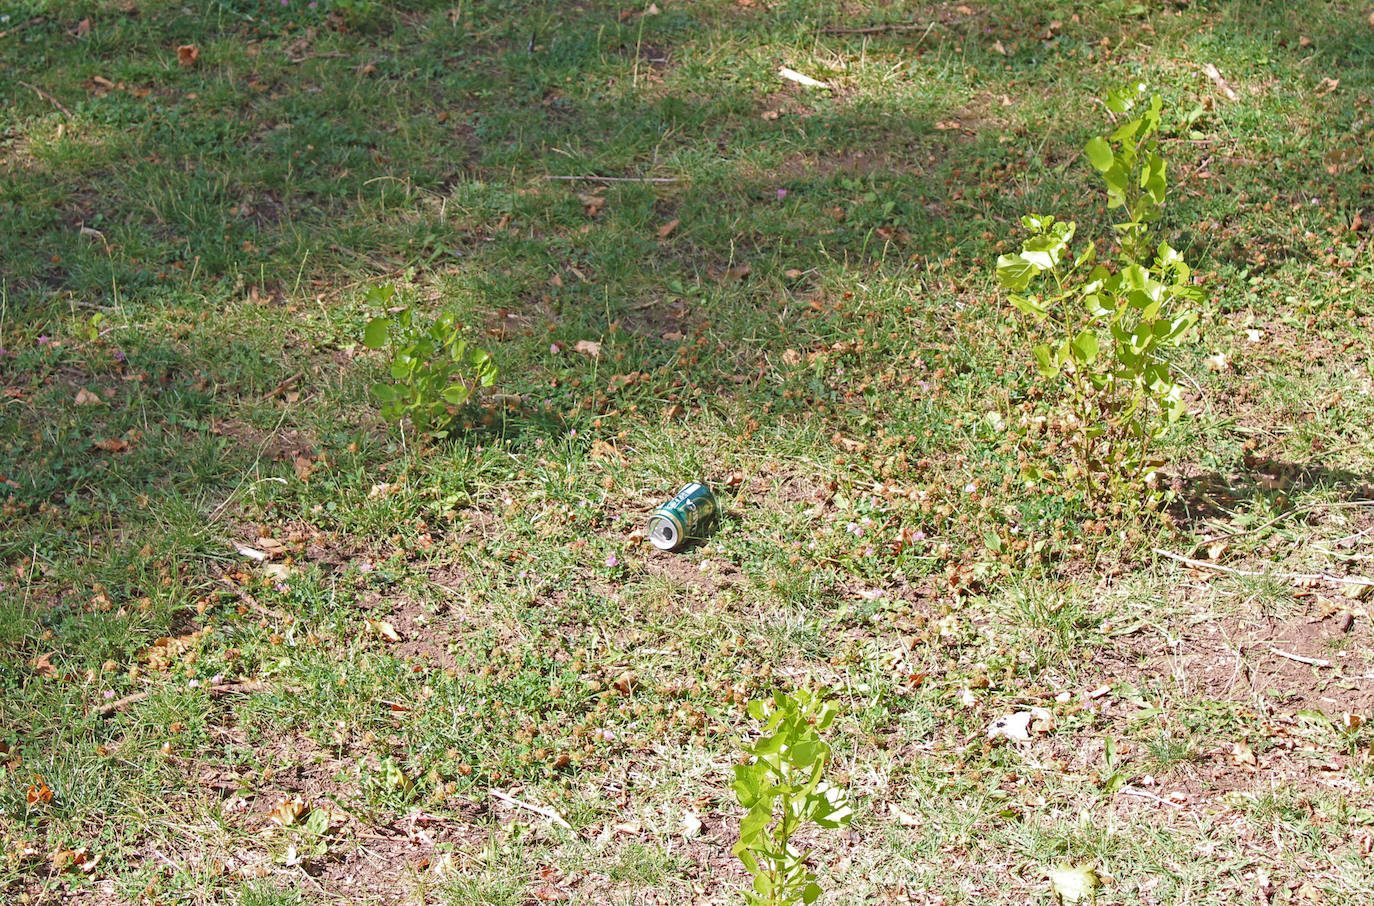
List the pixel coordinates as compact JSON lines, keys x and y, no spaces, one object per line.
{"x":684,"y":518}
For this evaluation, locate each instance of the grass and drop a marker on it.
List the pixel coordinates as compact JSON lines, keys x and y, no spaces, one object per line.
{"x":801,"y":312}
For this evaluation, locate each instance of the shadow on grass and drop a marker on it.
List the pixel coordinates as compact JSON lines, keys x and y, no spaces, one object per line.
{"x":1266,"y":486}
{"x":216,"y":214}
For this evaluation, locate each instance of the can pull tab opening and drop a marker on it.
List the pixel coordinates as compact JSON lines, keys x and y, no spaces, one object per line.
{"x":663,"y":535}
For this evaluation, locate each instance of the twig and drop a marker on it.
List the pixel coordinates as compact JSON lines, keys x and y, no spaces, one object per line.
{"x":286,"y":384}
{"x":1131,"y":791}
{"x":877,"y":29}
{"x":538,"y":810}
{"x":251,"y":601}
{"x":219,"y":688}
{"x":1313,"y":661}
{"x":1295,"y":512}
{"x":47,"y":97}
{"x":1311,"y":577}
{"x":592,"y":178}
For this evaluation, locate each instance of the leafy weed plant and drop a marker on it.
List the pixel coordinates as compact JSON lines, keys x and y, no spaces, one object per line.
{"x":435,"y":373}
{"x":784,"y":788}
{"x":1111,"y":326}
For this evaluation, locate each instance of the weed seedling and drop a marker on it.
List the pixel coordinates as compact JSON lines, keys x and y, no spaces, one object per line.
{"x":784,"y":788}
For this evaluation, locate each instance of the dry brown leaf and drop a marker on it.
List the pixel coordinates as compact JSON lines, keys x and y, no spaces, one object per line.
{"x":303,"y":465}
{"x":849,"y":445}
{"x":43,"y":665}
{"x":1218,"y":362}
{"x":1242,"y":754}
{"x":112,"y":445}
{"x":83,"y":28}
{"x":999,"y":48}
{"x":547,"y":893}
{"x":902,"y":818}
{"x":588,"y":347}
{"x":38,"y":794}
{"x":383,"y":630}
{"x":188,"y":54}
{"x":1327,"y":86}
{"x":85,"y":397}
{"x":287,"y":812}
{"x":666,"y":230}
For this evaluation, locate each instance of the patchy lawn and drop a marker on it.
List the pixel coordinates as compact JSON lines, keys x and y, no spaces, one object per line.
{"x":258,"y":646}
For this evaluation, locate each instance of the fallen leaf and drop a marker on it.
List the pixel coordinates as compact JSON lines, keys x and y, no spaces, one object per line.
{"x":547,"y":893}
{"x":279,"y":572}
{"x":43,"y":666}
{"x":903,"y":818}
{"x":999,"y":48}
{"x":112,"y":445}
{"x":652,"y":10}
{"x":666,"y":230}
{"x":188,"y":54}
{"x":287,"y":811}
{"x":674,"y":336}
{"x":38,"y":792}
{"x":691,"y":825}
{"x":303,"y":465}
{"x":383,"y":630}
{"x":1327,"y":86}
{"x":251,"y":553}
{"x":1018,"y":727}
{"x":1071,"y":884}
{"x":1218,"y":362}
{"x":1242,"y":754}
{"x":588,"y":347}
{"x":85,"y":397}
{"x":83,"y":28}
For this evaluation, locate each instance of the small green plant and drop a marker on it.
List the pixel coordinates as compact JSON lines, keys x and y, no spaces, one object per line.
{"x":435,"y":373}
{"x":1112,"y":324}
{"x":784,"y":788}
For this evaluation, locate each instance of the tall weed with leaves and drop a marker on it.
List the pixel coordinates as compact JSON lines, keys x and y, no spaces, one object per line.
{"x":1109,"y":325}
{"x":434,"y":371}
{"x":784,"y":788}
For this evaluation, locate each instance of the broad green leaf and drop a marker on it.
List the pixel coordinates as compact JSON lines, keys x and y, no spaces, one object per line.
{"x":1044,"y":363}
{"x":811,"y":893}
{"x":1087,"y":255}
{"x":456,"y":394}
{"x":1099,"y":154}
{"x":1042,"y":251}
{"x":1126,"y":131}
{"x":1085,"y":347}
{"x":386,"y":393}
{"x":1015,"y":272}
{"x":375,"y":333}
{"x":1026,"y":305}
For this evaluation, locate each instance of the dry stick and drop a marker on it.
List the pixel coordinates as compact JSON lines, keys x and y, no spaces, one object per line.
{"x":1313,"y":661}
{"x":591,"y":178}
{"x":1131,"y":791}
{"x":1298,"y":511}
{"x":1311,"y":577}
{"x":251,"y":601}
{"x":244,"y":687}
{"x":876,"y":29}
{"x":538,"y":810}
{"x":47,"y":97}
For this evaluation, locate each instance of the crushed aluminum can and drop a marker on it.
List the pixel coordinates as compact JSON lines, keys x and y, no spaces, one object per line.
{"x":684,"y":518}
